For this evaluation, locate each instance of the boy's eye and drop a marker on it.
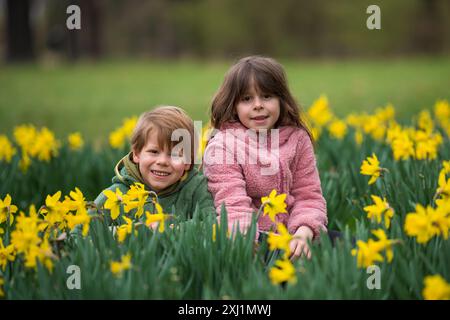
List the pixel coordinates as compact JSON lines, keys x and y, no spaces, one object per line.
{"x":153,"y":151}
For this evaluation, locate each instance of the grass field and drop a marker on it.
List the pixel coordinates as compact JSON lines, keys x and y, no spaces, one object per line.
{"x":94,"y":98}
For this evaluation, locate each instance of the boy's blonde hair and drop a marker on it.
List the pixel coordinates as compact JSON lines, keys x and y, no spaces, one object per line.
{"x":163,"y":121}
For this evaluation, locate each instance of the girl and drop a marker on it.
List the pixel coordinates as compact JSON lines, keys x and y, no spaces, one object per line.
{"x":254,"y":105}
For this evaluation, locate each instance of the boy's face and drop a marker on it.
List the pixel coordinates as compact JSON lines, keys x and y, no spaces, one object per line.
{"x":158,"y":167}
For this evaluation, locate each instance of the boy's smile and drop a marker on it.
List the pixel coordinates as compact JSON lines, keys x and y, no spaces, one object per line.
{"x":158,"y":167}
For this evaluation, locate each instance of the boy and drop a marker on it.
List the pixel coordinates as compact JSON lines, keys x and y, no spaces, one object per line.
{"x":179,"y":184}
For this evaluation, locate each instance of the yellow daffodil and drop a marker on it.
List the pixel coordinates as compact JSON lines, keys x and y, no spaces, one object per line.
{"x":367,"y":253}
{"x":446,"y":166}
{"x":42,"y":253}
{"x":117,"y":267}
{"x":442,"y":110}
{"x":7,"y":253}
{"x":359,"y":137}
{"x":45,"y":145}
{"x":385,"y":243}
{"x":274,"y":204}
{"x":54,"y":211}
{"x":425,"y":122}
{"x":7,"y":210}
{"x":443,"y":189}
{"x":402,"y":147}
{"x":80,"y":218}
{"x":316,"y":132}
{"x":280,"y":240}
{"x":118,"y":137}
{"x":319,"y":112}
{"x":25,"y":136}
{"x":75,"y":141}
{"x":283,"y":271}
{"x":419,"y":224}
{"x":378,"y":210}
{"x":371,"y":167}
{"x":2,"y":293}
{"x":135,"y":198}
{"x":337,"y":129}
{"x":436,"y":288}
{"x":124,"y":229}
{"x":159,"y":217}
{"x":7,"y":151}
{"x":206,"y":133}
{"x":113,"y":202}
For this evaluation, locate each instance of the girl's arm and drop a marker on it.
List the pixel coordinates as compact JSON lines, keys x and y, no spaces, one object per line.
{"x":227,"y":185}
{"x":309,"y":207}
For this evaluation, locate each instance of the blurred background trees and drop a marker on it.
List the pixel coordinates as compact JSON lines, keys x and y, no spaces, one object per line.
{"x":222,"y":28}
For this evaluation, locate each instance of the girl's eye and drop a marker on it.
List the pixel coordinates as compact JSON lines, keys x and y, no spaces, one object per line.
{"x":267,"y":96}
{"x":246,"y":98}
{"x":153,"y":151}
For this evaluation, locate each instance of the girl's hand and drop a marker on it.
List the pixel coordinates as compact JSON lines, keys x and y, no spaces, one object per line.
{"x":299,"y":245}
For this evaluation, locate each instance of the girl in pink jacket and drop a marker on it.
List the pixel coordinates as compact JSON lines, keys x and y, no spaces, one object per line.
{"x":262,"y":143}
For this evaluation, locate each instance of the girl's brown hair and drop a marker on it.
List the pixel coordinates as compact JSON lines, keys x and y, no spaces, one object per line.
{"x":269,"y":77}
{"x":162,"y":121}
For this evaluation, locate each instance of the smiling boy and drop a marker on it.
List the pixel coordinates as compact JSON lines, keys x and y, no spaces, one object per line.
{"x":154,"y":162}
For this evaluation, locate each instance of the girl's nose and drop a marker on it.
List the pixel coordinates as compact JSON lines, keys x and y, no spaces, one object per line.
{"x":258,"y":103}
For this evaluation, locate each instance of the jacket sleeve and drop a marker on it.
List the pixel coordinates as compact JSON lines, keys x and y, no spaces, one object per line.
{"x":309,"y":208}
{"x":227,"y":185}
{"x":203,"y":198}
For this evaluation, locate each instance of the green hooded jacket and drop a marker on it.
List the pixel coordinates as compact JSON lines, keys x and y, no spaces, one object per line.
{"x":179,"y":199}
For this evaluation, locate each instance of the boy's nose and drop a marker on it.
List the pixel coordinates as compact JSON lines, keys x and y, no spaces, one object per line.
{"x":162,"y":159}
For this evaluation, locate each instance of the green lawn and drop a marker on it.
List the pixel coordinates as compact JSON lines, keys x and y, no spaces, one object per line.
{"x":94,"y":98}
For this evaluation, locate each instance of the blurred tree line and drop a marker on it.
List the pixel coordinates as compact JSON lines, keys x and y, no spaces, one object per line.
{"x":223,"y":28}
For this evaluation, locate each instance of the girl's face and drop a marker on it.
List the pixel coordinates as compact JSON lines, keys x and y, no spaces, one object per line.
{"x":158,"y":167}
{"x":258,"y":110}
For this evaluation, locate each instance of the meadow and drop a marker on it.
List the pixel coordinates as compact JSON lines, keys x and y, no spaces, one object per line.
{"x":94,"y":98}
{"x":382,"y":145}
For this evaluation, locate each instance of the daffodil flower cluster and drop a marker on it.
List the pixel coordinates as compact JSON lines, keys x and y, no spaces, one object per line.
{"x":320,"y":115}
{"x":284,"y":270}
{"x":428,"y":222}
{"x":33,"y":143}
{"x":68,"y":213}
{"x":135,"y":199}
{"x":118,"y":137}
{"x":29,"y":239}
{"x":40,"y":144}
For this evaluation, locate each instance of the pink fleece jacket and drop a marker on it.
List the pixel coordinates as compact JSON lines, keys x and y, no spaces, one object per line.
{"x":241,"y":184}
